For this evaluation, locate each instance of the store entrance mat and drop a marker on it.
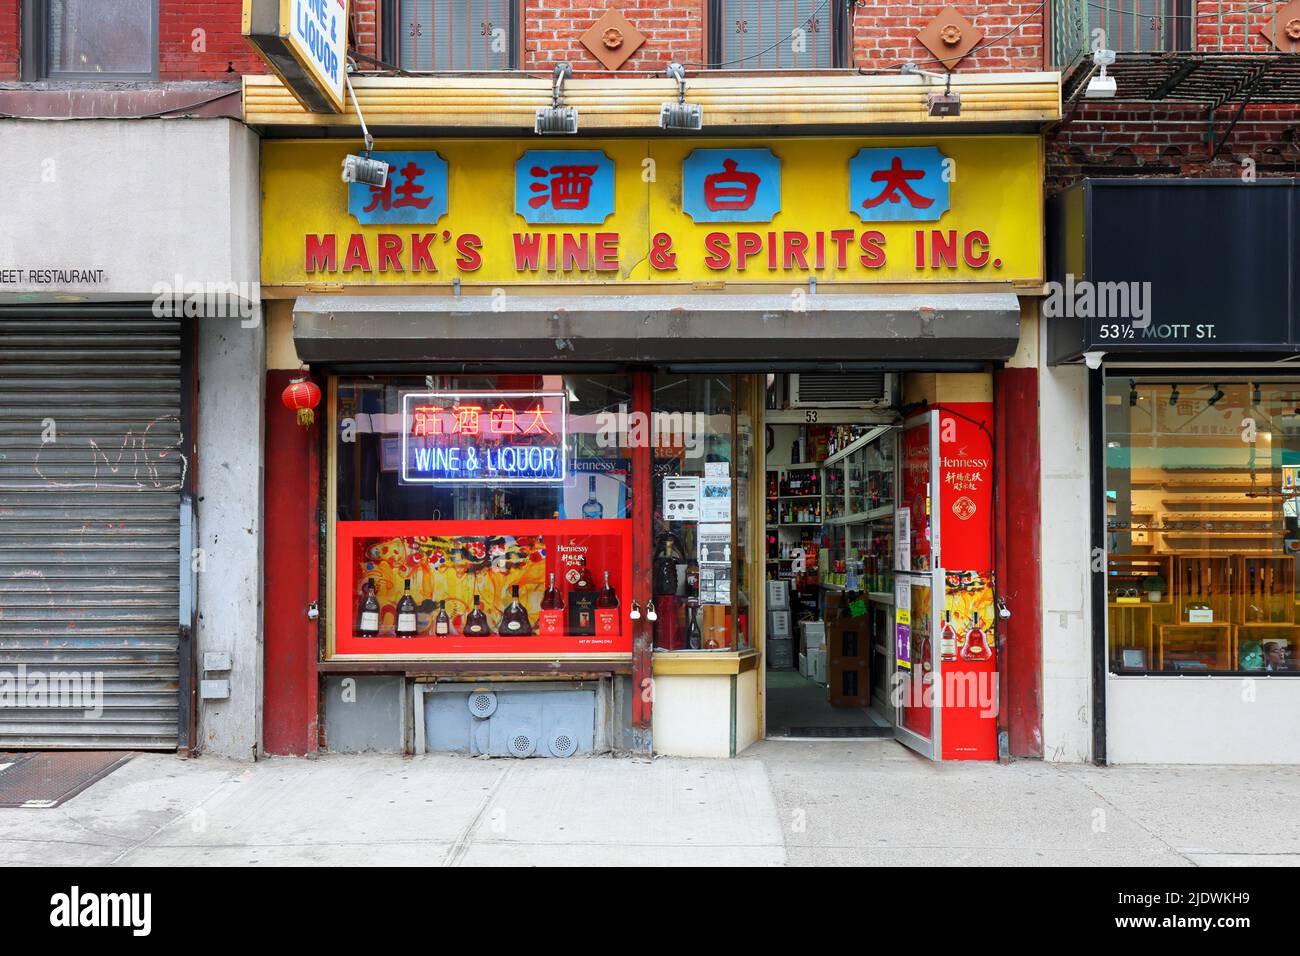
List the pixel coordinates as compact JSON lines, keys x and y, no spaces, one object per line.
{"x":44,"y":780}
{"x":871,"y":731}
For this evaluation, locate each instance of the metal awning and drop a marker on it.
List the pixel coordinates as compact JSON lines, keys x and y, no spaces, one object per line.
{"x":692,"y":327}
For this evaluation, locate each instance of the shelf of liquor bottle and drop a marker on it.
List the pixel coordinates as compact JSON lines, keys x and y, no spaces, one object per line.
{"x":860,"y":442}
{"x":861,"y":517}
{"x":1267,"y":533}
{"x":812,"y":497}
{"x":800,"y":524}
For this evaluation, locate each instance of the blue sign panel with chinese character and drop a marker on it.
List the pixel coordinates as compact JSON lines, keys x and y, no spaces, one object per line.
{"x":475,"y":437}
{"x":731,"y":185}
{"x":416,"y":191}
{"x":564,"y":186}
{"x":898,"y":185}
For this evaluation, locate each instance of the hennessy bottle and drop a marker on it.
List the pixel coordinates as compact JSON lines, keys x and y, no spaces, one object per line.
{"x":976,"y":647}
{"x":550,"y":620}
{"x":368,"y":626}
{"x":406,"y":621}
{"x":442,"y":623}
{"x":592,"y":507}
{"x":476,"y":622}
{"x":948,"y":638}
{"x":584,"y":582}
{"x":514,"y":619}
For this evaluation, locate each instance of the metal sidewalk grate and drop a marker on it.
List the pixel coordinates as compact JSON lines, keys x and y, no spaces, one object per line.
{"x":43,"y":780}
{"x":841,"y":732}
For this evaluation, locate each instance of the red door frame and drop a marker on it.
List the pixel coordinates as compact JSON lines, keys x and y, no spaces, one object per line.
{"x":642,"y":529}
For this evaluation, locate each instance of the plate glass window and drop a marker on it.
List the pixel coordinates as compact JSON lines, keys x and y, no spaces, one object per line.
{"x":1202,"y":497}
{"x":90,"y":38}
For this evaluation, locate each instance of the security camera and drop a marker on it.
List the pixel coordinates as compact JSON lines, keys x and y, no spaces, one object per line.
{"x":1093,"y":359}
{"x":1101,"y":86}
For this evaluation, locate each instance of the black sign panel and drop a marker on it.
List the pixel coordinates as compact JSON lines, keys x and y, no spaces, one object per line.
{"x":1174,"y":267}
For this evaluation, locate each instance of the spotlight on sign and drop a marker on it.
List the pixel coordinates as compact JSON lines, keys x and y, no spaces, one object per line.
{"x":946,"y":103}
{"x":1101,"y":86}
{"x":557,"y":120}
{"x":680,"y":115}
{"x":363,"y":169}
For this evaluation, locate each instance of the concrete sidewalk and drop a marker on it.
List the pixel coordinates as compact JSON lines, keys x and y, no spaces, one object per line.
{"x":861,"y":802}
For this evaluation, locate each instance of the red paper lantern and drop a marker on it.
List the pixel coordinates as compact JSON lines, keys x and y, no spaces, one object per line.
{"x":302,"y":395}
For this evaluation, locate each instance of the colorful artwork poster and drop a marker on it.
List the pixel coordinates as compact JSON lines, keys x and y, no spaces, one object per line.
{"x":899,"y":185}
{"x":965,"y":485}
{"x":969,"y":670}
{"x":731,"y":185}
{"x":449,"y":563}
{"x":414,"y":194}
{"x":564,"y":186}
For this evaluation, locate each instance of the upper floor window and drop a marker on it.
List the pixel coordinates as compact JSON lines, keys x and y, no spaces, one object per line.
{"x":447,"y":35}
{"x":90,"y":39}
{"x":778,"y":34}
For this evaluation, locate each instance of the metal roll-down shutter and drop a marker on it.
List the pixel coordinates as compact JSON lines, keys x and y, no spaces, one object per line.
{"x":92,"y":472}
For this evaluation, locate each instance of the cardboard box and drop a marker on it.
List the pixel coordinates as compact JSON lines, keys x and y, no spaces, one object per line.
{"x":780,"y":654}
{"x":778,"y":624}
{"x":816,"y":658}
{"x":778,"y":596}
{"x":803,"y":665}
{"x":812,"y":634}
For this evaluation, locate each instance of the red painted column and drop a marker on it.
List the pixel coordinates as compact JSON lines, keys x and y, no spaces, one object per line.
{"x":642,"y":535}
{"x":1018,"y":558}
{"x":291,"y":582}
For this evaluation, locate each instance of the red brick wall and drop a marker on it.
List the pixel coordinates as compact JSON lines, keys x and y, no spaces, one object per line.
{"x":9,"y":33}
{"x":365,"y":29}
{"x":674,"y":30}
{"x":218,"y":52}
{"x":1135,"y":139}
{"x":884,"y":34}
{"x":1236,"y":31}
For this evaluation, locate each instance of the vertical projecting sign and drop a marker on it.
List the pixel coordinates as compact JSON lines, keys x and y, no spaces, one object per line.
{"x":476,"y":437}
{"x":306,"y":43}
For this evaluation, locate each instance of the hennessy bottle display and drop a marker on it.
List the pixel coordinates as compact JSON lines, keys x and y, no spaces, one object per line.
{"x":948,"y":638}
{"x":369,"y":623}
{"x":476,"y":622}
{"x":592,"y":507}
{"x":514,"y":619}
{"x":551,"y":618}
{"x":442,"y":623}
{"x":406,"y":613}
{"x":584,"y":582}
{"x":607,"y":609}
{"x":976,"y":647}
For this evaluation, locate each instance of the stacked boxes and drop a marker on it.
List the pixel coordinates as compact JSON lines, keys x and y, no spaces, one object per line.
{"x":848,"y":657}
{"x":812,"y":650}
{"x":780,"y":637}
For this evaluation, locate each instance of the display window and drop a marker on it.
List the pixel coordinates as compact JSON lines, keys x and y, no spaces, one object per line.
{"x":1202,"y":494}
{"x":481,"y":516}
{"x":492,"y":516}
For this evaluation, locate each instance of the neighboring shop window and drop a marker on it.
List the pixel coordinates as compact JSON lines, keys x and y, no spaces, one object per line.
{"x":482,"y":515}
{"x":778,"y":34}
{"x":703,"y":444}
{"x":90,"y":39}
{"x":1201,"y":511}
{"x":448,"y":35}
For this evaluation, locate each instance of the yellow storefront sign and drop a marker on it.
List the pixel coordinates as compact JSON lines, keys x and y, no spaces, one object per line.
{"x":507,"y":212}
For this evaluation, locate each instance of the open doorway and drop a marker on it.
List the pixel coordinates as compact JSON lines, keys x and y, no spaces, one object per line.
{"x":829,"y":492}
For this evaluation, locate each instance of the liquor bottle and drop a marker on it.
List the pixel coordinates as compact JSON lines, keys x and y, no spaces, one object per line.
{"x":927,"y":666}
{"x":592,"y":508}
{"x":583,"y":581}
{"x":442,"y":623}
{"x":976,"y":648}
{"x":476,"y":622}
{"x":607,"y":609}
{"x":369,"y":624}
{"x":551,"y":619}
{"x":694,"y":637}
{"x":948,"y":638}
{"x":406,"y":613}
{"x":514,"y":619}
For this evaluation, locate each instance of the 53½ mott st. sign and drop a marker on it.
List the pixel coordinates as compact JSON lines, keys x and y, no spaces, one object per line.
{"x":501,"y":212}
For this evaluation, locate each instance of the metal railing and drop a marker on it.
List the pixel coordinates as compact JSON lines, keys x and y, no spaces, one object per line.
{"x":1125,"y":26}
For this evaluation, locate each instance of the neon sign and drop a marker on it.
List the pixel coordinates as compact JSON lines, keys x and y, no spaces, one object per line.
{"x":477,"y":437}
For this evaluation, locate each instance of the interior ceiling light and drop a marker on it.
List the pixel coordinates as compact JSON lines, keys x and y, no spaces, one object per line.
{"x":680,"y":115}
{"x":946,"y":103}
{"x":1218,"y":394}
{"x":1173,"y":394}
{"x":557,"y":120}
